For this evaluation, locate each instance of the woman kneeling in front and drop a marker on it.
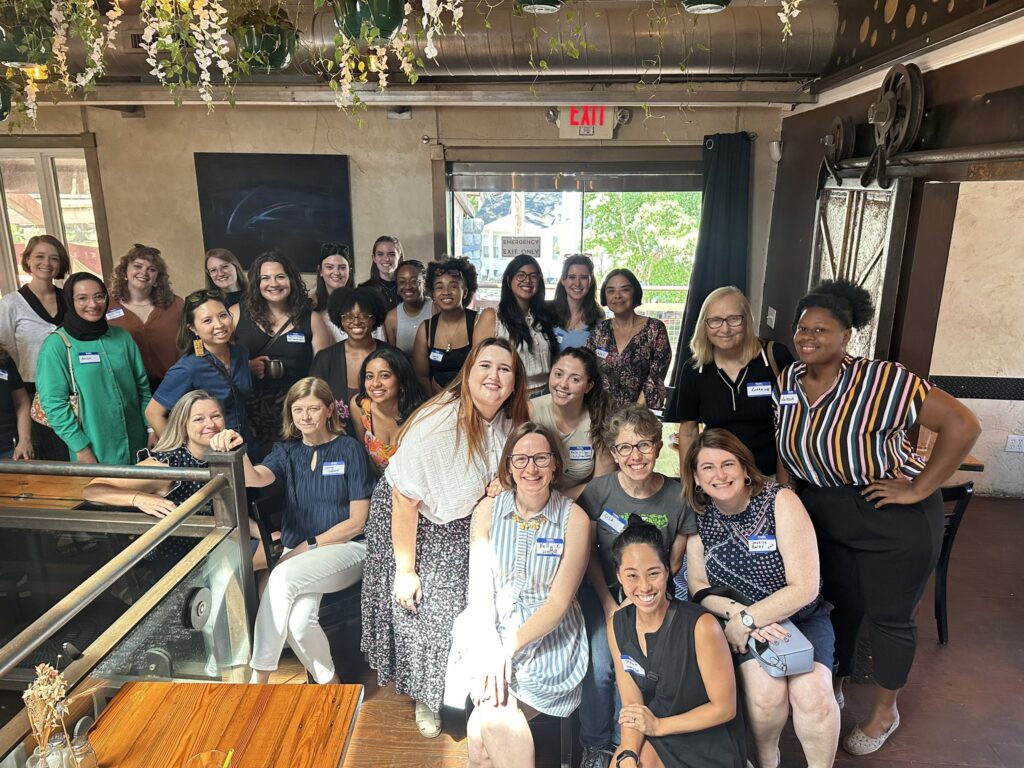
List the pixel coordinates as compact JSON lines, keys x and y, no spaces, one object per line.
{"x":327,"y":484}
{"x":757,"y":540}
{"x":528,"y":550}
{"x":672,"y":667}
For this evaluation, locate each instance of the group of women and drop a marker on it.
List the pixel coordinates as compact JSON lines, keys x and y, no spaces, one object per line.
{"x":490,"y":478}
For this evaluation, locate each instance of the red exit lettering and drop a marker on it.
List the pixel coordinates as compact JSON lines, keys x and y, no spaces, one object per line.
{"x":586,"y":115}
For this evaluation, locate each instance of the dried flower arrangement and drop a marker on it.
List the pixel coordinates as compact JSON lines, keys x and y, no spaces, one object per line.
{"x":46,"y":703}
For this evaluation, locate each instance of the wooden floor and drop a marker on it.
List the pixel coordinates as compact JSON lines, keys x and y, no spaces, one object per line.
{"x":963,"y":706}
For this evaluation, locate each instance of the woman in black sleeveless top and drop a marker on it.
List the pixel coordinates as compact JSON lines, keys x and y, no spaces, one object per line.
{"x":672,"y":666}
{"x":275,"y":322}
{"x":444,"y":341}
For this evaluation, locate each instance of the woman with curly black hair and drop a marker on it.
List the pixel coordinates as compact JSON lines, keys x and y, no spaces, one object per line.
{"x":275,"y":322}
{"x":142,"y":302}
{"x":522,"y":317}
{"x":842,"y":434}
{"x":388,"y":395}
{"x":443,"y":341}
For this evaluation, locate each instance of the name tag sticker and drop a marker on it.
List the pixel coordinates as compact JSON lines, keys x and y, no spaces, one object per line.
{"x":580,"y":453}
{"x":759,"y":389}
{"x":115,"y":313}
{"x":88,"y":357}
{"x":550,"y":547}
{"x":788,"y":398}
{"x":761,"y":544}
{"x":559,"y":338}
{"x":436,"y":355}
{"x":3,"y":375}
{"x":632,"y":666}
{"x":613,"y":521}
{"x":601,"y":352}
{"x":334,"y":468}
{"x":296,"y":338}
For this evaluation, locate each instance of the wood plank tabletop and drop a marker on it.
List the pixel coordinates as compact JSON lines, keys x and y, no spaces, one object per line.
{"x":41,"y":491}
{"x":164,"y":725}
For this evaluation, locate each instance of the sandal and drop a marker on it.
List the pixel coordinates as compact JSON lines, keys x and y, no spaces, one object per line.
{"x":859,"y":743}
{"x":427,"y":721}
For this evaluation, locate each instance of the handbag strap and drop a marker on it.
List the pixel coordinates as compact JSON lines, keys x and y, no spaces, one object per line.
{"x":235,"y":393}
{"x":289,"y":323}
{"x":770,"y":354}
{"x":71,"y":368}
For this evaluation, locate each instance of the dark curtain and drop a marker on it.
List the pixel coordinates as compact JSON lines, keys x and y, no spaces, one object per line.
{"x":722,"y":241}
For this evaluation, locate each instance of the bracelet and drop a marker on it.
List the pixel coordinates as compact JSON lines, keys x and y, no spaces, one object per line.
{"x":626,"y":754}
{"x":134,"y":498}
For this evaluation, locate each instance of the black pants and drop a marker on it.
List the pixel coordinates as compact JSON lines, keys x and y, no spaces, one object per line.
{"x":47,"y":445}
{"x":874,"y":565}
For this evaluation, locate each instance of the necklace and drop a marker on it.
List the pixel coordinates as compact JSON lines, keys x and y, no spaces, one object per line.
{"x":531,"y":524}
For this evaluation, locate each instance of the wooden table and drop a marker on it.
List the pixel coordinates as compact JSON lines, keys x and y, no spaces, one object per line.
{"x":41,"y":491}
{"x":162,"y":725}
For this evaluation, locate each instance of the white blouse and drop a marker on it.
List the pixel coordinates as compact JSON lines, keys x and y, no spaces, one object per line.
{"x":22,"y":332}
{"x":432,"y":469}
{"x":536,"y":363}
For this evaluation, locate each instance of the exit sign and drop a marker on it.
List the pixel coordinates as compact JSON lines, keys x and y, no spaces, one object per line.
{"x":586,"y":121}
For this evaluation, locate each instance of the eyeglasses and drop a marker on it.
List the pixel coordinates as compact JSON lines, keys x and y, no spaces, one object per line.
{"x":526,"y":277}
{"x":220,"y":270}
{"x":733,"y":321}
{"x":350,"y":317}
{"x":540,"y":460}
{"x":623,"y":450}
{"x":203,"y":296}
{"x":99,"y":298}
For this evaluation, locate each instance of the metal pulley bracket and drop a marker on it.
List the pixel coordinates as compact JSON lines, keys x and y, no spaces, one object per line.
{"x":838,"y":144}
{"x":896,"y":116}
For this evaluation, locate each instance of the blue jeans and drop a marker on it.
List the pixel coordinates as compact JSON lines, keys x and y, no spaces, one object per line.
{"x":599,"y":710}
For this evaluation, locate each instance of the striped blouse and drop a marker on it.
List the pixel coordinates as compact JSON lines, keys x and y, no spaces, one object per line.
{"x":856,"y":432}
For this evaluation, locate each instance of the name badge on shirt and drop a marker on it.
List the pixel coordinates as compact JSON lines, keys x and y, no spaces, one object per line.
{"x":436,"y":355}
{"x":88,"y":357}
{"x":613,"y":521}
{"x":631,"y":665}
{"x":759,"y":389}
{"x":602,"y":353}
{"x":334,"y":468}
{"x":580,"y":453}
{"x":559,"y":338}
{"x":550,"y":547}
{"x":761,"y":544}
{"x":3,"y":375}
{"x":296,"y":338}
{"x":115,"y":313}
{"x":788,"y":398}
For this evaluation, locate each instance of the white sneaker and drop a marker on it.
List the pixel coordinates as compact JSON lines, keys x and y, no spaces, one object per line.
{"x":427,"y":721}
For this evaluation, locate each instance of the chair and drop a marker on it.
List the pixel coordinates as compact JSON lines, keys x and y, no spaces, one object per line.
{"x":960,"y":497}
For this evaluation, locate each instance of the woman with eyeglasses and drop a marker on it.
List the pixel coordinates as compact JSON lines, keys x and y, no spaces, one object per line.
{"x":27,"y":317}
{"x":336,"y":269}
{"x":224,"y":273}
{"x":575,"y":306}
{"x":210,"y":360}
{"x":358,"y":312}
{"x":522,"y":318}
{"x":633,"y":435}
{"x":403,"y":321}
{"x":443,"y":341}
{"x":634,"y":350}
{"x":99,"y":367}
{"x":728,"y":382}
{"x":142,"y":302}
{"x":276,"y":324}
{"x":521,"y":638}
{"x":388,"y":395}
{"x":387,"y":255}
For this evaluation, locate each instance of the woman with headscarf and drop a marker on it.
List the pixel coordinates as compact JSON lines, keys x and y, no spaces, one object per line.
{"x":92,"y":384}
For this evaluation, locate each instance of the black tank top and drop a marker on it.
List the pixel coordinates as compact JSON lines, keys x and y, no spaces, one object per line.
{"x":445,"y":365}
{"x":671,"y":684}
{"x":294,"y":348}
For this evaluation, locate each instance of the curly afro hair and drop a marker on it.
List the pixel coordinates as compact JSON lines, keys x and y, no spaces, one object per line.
{"x":848,"y":302}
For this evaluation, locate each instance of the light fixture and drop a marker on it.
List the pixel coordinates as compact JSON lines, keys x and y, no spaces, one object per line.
{"x":37,"y":72}
{"x":539,"y":7}
{"x":705,"y":6}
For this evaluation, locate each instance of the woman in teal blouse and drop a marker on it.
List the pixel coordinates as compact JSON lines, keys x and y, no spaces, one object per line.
{"x":109,"y":377}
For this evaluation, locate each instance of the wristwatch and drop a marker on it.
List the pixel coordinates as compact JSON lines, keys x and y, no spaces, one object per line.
{"x":311,"y":542}
{"x":748,"y":620}
{"x":626,"y":754}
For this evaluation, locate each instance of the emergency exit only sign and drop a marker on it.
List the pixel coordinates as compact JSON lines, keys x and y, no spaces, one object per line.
{"x":586,"y":121}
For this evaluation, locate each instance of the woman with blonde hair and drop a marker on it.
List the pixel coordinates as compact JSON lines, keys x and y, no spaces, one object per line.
{"x":418,"y":535}
{"x":728,"y":382}
{"x":327,"y":483}
{"x":224,"y":273}
{"x":142,"y":302}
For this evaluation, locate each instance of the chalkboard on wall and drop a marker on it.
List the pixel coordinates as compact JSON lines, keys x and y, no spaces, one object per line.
{"x":250,"y":203}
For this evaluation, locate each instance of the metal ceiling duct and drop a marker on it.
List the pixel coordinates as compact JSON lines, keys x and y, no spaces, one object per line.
{"x":624,"y":41}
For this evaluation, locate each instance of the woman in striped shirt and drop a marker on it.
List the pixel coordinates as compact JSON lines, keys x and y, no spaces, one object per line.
{"x":842,"y":434}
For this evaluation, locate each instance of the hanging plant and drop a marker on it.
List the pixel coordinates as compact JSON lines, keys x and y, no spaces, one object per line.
{"x":82,"y":19}
{"x":433,"y":24}
{"x":26,"y":36}
{"x":265,"y":37}
{"x":790,"y":10}
{"x":186,"y":44}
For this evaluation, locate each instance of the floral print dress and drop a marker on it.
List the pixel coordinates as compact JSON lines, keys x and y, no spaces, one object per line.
{"x":638,"y":369}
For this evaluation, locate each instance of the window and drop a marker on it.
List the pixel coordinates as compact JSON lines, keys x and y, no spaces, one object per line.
{"x":46,"y":192}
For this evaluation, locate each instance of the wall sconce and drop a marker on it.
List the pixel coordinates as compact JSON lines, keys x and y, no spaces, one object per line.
{"x":775,"y":151}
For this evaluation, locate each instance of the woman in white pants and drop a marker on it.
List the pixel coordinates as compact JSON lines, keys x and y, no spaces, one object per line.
{"x":327,"y":483}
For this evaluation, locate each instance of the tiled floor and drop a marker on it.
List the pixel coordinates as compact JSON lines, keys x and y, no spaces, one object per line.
{"x":964,"y":705}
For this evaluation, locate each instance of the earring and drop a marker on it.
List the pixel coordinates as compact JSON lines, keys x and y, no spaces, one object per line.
{"x":748,"y":481}
{"x":197,"y":347}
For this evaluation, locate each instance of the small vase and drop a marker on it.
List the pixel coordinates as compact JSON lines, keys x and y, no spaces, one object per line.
{"x":58,"y":755}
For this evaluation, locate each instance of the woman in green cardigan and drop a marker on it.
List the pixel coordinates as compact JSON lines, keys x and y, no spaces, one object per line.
{"x":109,"y":377}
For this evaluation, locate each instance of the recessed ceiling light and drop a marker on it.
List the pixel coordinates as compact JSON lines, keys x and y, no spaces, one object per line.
{"x":705,"y":6}
{"x":540,"y":7}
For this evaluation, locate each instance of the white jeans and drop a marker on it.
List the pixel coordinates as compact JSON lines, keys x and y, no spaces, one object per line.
{"x":290,"y":608}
